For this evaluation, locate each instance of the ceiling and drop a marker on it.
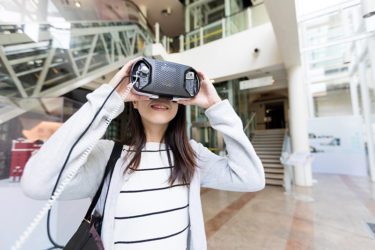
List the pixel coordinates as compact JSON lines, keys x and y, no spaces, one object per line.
{"x":172,"y":25}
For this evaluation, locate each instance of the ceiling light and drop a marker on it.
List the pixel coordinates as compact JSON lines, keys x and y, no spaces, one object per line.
{"x":77,"y":4}
{"x":167,"y":11}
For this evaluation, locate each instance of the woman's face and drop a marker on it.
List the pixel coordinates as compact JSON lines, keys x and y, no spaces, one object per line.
{"x":157,"y":111}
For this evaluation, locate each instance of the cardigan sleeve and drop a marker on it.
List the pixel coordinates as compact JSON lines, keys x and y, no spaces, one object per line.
{"x":42,"y":169}
{"x":241,"y":169}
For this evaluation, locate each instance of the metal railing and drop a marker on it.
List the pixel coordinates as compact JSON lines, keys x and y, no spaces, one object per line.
{"x":285,"y":154}
{"x":40,"y":59}
{"x":227,"y":26}
{"x":250,"y":125}
{"x":245,"y":19}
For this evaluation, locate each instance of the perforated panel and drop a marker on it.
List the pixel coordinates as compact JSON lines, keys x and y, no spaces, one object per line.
{"x":169,"y":79}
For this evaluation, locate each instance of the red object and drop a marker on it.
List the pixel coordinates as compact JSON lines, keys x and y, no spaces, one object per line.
{"x":21,"y":153}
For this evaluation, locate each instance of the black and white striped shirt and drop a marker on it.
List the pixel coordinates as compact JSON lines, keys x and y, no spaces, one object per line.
{"x":150,"y":214}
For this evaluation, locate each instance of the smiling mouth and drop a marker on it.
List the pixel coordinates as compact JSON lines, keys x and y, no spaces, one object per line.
{"x":159,"y":107}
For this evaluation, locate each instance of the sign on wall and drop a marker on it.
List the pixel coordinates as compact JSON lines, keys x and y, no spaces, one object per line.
{"x":256,"y":83}
{"x":337,"y":145}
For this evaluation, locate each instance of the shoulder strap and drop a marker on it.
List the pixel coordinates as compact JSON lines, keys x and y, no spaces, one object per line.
{"x":116,"y":152}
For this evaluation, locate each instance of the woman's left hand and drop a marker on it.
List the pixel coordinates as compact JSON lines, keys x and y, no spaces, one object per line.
{"x":207,"y":95}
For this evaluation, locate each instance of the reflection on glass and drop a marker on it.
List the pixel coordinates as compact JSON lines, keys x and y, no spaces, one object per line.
{"x":25,"y":133}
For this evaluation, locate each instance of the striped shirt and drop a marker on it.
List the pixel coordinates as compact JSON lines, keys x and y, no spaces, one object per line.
{"x":151,"y":214}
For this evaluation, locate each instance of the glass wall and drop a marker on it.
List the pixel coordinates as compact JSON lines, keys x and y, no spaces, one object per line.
{"x":327,"y":63}
{"x":21,"y":135}
{"x":209,"y":23}
{"x":240,"y":101}
{"x":337,"y":48}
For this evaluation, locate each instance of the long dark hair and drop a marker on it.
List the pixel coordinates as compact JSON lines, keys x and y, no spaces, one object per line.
{"x":175,"y":139}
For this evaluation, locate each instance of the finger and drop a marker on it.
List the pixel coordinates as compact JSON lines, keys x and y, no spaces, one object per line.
{"x":133,"y":91}
{"x":137,"y":98}
{"x":202,"y":75}
{"x":142,"y":98}
{"x":130,"y":64}
{"x":125,"y":70}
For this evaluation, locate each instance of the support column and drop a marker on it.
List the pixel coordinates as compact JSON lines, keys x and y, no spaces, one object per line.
{"x":298,"y":123}
{"x":143,"y":20}
{"x":187,"y":16}
{"x":366,"y":107}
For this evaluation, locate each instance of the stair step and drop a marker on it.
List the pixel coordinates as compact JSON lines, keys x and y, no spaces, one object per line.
{"x":272,"y":165}
{"x":270,"y":131}
{"x":267,"y":147}
{"x":267,"y":151}
{"x":274,"y":170}
{"x":266,"y":136}
{"x":269,"y":136}
{"x":268,"y":139}
{"x":274,"y":182}
{"x":263,"y":153}
{"x":268,"y":156}
{"x":272,"y":161}
{"x":275,"y":176}
{"x":267,"y":144}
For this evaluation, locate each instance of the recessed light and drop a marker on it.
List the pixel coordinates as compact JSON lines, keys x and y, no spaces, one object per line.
{"x":77,"y":4}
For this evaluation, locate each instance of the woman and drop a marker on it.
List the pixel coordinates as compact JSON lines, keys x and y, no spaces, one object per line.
{"x":154,"y":197}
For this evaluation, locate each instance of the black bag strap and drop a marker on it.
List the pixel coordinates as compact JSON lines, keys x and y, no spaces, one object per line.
{"x":116,"y":152}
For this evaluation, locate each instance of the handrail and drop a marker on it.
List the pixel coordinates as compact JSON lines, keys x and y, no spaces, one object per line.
{"x":250,"y":125}
{"x":229,"y":16}
{"x":226,"y":26}
{"x":146,"y":19}
{"x":285,"y":153}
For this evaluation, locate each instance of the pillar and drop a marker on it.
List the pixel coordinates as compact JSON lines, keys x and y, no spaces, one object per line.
{"x":298,"y":117}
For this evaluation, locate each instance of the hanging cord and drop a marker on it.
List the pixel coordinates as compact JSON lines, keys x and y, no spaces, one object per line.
{"x":58,"y":189}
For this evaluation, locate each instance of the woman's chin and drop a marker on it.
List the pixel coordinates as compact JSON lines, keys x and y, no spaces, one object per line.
{"x":158,"y":120}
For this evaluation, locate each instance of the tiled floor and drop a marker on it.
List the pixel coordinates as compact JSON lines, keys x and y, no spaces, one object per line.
{"x":331,"y":215}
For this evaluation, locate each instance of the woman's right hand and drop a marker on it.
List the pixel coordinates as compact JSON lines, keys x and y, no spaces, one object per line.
{"x":123,"y":76}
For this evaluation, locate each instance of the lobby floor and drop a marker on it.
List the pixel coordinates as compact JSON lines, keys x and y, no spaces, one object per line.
{"x":331,"y":215}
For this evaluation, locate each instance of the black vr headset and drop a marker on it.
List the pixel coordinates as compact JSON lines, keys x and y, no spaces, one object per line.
{"x":162,"y":79}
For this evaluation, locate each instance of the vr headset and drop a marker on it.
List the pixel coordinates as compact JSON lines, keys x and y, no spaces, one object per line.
{"x":162,"y":79}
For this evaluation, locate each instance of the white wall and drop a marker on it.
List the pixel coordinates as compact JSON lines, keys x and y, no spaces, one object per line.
{"x":231,"y":57}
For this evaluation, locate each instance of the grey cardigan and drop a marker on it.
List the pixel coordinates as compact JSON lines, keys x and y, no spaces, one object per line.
{"x":240,"y":170}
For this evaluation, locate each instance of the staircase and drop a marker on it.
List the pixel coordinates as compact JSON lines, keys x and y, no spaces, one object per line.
{"x":61,"y":59}
{"x":268,"y":145}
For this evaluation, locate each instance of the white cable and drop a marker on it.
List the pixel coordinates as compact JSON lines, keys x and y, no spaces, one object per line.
{"x":60,"y":188}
